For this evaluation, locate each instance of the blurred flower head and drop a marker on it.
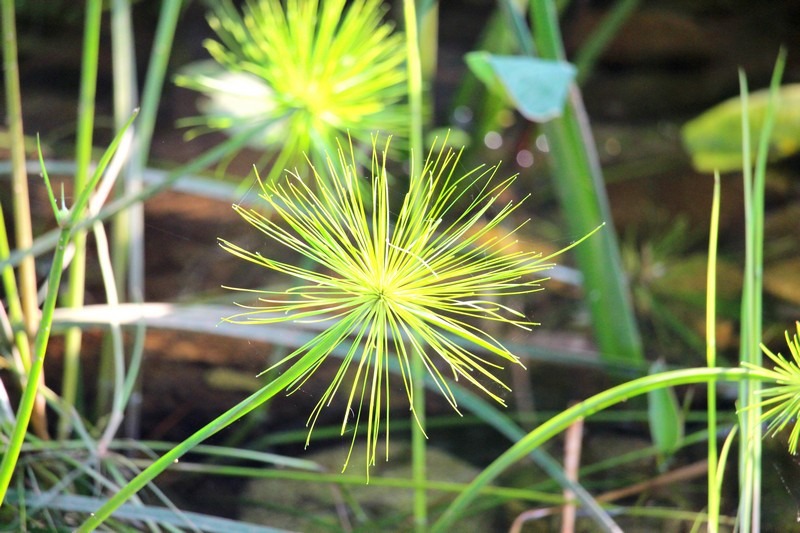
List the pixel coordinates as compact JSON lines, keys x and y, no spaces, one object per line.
{"x":304,"y":75}
{"x":418,"y":279}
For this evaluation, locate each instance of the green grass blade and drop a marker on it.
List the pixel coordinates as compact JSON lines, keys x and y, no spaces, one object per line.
{"x":581,"y":190}
{"x":504,"y":424}
{"x":29,"y":394}
{"x":752,"y":294}
{"x":19,"y":177}
{"x":563,"y":420}
{"x":711,"y":362}
{"x":250,"y":403}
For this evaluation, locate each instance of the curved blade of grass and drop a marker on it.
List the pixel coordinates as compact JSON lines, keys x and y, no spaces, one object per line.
{"x":505,"y":425}
{"x":597,"y":41}
{"x":560,"y":422}
{"x":301,"y":367}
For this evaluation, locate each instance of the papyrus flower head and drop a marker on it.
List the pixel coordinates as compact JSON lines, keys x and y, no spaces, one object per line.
{"x":781,"y":403}
{"x":415,"y":279}
{"x":305,"y":75}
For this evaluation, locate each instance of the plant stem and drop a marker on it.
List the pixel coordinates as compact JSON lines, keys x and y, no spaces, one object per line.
{"x":19,"y":176}
{"x":418,"y":371}
{"x":581,"y":190}
{"x":419,"y":446}
{"x":48,"y":241}
{"x":752,"y":296}
{"x":414,"y":67}
{"x":128,"y":228}
{"x":154,"y":83}
{"x":563,"y":420}
{"x":23,"y":311}
{"x":29,"y":394}
{"x":83,"y":155}
{"x":711,"y":360}
{"x":125,"y":101}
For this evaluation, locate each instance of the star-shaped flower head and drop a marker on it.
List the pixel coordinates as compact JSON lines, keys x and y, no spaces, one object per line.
{"x":413,"y":280}
{"x":782,"y":401}
{"x":305,"y":76}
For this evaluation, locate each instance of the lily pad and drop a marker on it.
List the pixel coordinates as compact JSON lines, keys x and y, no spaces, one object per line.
{"x":537,"y":88}
{"x":714,"y":139}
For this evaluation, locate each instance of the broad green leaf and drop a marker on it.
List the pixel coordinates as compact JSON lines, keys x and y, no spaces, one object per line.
{"x":666,"y":420}
{"x":537,"y":88}
{"x":714,"y":139}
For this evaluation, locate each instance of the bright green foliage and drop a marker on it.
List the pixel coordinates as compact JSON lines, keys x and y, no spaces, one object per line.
{"x":310,"y":72}
{"x":410,"y":280}
{"x":782,"y":405}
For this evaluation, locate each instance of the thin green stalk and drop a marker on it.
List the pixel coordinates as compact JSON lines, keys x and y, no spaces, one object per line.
{"x":23,"y":308}
{"x":28,"y":400}
{"x":752,"y":295}
{"x":514,"y":14}
{"x":429,"y":43}
{"x":116,"y":354}
{"x":563,"y":420}
{"x":154,"y":83}
{"x":128,"y":236}
{"x":711,"y":360}
{"x":66,"y":221}
{"x":419,"y":446}
{"x":15,"y":314}
{"x":581,"y":190}
{"x":723,"y":459}
{"x":123,"y":64}
{"x":125,"y":100}
{"x":746,"y":451}
{"x":414,"y":68}
{"x":218,"y":424}
{"x":83,"y":155}
{"x":19,"y":176}
{"x":497,"y":419}
{"x":418,"y":370}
